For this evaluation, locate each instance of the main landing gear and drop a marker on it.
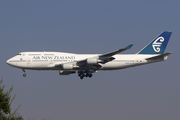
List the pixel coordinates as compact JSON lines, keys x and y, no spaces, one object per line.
{"x":82,"y":74}
{"x":24,"y":75}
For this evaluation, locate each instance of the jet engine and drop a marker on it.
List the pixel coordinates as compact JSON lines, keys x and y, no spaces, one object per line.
{"x":67,"y":66}
{"x":92,"y":60}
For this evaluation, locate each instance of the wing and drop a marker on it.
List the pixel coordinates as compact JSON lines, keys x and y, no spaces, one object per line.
{"x":92,"y":63}
{"x":104,"y":56}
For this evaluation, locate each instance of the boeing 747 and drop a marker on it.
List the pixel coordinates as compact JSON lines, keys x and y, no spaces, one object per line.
{"x":86,"y":64}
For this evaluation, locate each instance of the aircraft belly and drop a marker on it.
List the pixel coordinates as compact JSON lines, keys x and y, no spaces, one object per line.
{"x":121,"y":64}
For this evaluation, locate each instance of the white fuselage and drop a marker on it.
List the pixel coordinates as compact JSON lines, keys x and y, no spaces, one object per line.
{"x":48,"y":60}
{"x":86,"y":64}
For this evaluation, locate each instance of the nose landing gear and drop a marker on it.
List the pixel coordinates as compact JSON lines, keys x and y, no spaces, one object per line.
{"x":24,"y":75}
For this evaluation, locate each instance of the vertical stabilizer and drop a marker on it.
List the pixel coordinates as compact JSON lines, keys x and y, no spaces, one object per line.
{"x":158,"y":45}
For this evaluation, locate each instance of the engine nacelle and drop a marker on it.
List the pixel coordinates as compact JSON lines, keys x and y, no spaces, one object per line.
{"x":67,"y":66}
{"x":92,"y":60}
{"x":66,"y":72}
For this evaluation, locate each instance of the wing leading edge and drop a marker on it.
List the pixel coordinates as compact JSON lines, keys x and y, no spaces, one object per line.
{"x":115,"y":52}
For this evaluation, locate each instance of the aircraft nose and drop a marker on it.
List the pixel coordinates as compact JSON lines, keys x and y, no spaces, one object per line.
{"x":8,"y":62}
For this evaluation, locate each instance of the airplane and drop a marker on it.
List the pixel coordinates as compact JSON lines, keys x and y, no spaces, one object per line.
{"x":86,"y":64}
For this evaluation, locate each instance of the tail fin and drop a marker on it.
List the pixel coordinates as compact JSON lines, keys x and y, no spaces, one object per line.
{"x":158,"y":45}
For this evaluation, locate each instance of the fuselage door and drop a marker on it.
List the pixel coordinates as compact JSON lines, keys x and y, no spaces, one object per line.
{"x":139,"y":61}
{"x":28,"y":60}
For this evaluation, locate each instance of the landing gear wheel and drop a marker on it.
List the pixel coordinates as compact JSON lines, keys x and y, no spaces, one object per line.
{"x":83,"y":74}
{"x":87,"y":74}
{"x":90,"y":75}
{"x":79,"y":74}
{"x":24,"y":75}
{"x":82,"y":77}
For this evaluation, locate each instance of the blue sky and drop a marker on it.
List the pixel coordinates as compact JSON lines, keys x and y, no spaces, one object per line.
{"x":97,"y":26}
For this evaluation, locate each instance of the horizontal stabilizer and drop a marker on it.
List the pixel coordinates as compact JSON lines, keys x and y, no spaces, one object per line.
{"x":159,"y":56}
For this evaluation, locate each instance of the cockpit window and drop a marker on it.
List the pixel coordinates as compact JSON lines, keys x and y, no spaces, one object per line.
{"x":19,"y":54}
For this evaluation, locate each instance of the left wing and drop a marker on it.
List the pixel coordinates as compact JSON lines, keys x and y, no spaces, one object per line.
{"x":92,"y":62}
{"x":104,"y":56}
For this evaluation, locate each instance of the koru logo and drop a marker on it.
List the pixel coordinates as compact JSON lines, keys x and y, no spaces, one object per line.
{"x":157,"y":44}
